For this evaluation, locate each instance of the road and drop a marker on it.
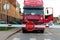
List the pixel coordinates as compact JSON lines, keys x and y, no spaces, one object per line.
{"x":49,"y":34}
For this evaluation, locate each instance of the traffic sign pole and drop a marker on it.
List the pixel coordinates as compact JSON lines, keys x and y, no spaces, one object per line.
{"x":6,"y":8}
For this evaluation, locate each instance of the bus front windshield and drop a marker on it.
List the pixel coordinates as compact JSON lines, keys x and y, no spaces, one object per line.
{"x":37,"y":11}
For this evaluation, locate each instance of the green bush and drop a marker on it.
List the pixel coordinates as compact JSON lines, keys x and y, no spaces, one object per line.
{"x":6,"y":28}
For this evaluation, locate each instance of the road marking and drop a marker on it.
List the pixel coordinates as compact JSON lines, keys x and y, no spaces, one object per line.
{"x":47,"y":39}
{"x":47,"y":33}
{"x":32,"y":38}
{"x":16,"y":39}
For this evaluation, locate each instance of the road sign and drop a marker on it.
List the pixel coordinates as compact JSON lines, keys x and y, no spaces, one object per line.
{"x":30,"y":26}
{"x":6,"y":6}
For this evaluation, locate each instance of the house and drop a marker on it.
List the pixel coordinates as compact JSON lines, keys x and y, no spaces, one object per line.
{"x":12,"y":14}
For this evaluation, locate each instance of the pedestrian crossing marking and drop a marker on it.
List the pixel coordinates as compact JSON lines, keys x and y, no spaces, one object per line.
{"x":16,"y":39}
{"x":32,"y":38}
{"x":47,"y":39}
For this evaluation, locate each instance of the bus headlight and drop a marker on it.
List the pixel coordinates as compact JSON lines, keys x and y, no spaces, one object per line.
{"x":41,"y":18}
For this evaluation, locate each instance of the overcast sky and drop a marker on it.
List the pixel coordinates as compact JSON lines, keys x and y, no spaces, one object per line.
{"x":47,"y":3}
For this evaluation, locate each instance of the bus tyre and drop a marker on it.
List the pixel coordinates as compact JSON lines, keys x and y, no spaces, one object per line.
{"x":42,"y":31}
{"x":24,"y":30}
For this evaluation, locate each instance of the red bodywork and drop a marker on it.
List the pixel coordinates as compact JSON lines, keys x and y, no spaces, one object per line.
{"x":50,"y":18}
{"x":37,"y":19}
{"x":33,"y":3}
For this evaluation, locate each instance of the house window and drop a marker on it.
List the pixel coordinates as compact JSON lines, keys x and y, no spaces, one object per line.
{"x":0,"y":7}
{"x":0,"y":1}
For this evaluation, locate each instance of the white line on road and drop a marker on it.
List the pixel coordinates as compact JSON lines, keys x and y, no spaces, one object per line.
{"x":32,"y":38}
{"x":16,"y":39}
{"x":47,"y":39}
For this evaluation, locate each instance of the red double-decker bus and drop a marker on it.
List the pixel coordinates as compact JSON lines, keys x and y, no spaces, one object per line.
{"x":34,"y":13}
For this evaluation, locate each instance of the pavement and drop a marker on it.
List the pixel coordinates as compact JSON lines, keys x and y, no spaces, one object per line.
{"x":5,"y":34}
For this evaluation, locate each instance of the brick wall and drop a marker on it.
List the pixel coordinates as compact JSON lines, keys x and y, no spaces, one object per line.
{"x":13,"y":2}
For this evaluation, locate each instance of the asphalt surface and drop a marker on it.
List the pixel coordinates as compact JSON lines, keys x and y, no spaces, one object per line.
{"x":49,"y":34}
